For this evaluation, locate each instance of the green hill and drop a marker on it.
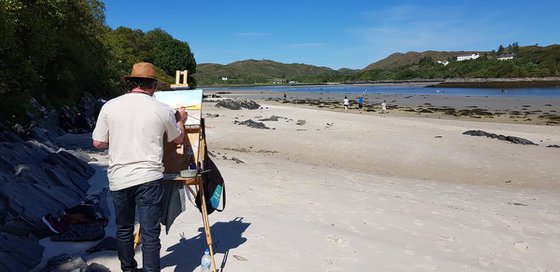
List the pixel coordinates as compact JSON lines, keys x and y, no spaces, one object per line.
{"x":265,"y":72}
{"x":529,"y":61}
{"x":398,"y":60}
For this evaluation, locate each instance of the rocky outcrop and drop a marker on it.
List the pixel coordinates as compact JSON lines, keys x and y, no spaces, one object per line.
{"x":36,"y":178}
{"x":512,"y":139}
{"x":238,"y":104}
{"x":252,"y":124}
{"x":82,"y":118}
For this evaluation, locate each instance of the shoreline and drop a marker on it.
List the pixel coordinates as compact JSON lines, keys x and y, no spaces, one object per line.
{"x":509,"y":83}
{"x":504,"y":83}
{"x":521,"y":110}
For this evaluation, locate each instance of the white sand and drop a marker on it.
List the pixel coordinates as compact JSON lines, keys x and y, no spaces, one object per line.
{"x":357,"y":192}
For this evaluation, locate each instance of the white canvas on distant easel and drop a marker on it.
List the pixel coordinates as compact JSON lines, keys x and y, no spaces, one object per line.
{"x":191,"y":100}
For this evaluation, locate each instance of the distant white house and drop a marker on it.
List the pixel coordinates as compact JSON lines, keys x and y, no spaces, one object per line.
{"x":224,"y":78}
{"x":468,"y":57}
{"x":444,"y":62}
{"x":506,"y":56}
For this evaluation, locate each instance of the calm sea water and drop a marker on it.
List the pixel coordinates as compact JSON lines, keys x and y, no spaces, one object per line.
{"x":371,"y":89}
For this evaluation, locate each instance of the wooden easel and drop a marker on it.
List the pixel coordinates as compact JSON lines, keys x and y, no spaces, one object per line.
{"x":197,"y":139}
{"x":195,"y":184}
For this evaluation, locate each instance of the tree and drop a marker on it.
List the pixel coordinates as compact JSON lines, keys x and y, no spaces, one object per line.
{"x":426,"y":61}
{"x":500,"y":50}
{"x":128,"y":46}
{"x":515,"y":47}
{"x":51,"y":50}
{"x":171,"y":54}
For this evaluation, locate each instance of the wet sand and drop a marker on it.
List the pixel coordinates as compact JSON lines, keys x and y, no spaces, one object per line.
{"x":497,"y":109}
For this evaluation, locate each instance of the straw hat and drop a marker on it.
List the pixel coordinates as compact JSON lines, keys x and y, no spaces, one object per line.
{"x":142,"y":70}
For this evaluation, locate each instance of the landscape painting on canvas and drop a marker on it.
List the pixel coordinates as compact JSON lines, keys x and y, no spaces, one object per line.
{"x":191,"y":100}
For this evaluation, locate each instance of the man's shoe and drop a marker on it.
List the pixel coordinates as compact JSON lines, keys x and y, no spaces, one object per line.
{"x":54,"y":224}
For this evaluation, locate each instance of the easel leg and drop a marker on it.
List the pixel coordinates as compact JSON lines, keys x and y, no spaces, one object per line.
{"x":207,"y":228}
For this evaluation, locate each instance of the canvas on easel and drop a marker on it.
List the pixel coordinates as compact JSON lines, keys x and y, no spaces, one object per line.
{"x":179,"y":157}
{"x":191,"y":100}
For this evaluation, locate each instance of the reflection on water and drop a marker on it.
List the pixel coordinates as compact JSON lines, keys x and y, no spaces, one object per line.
{"x":412,"y":90}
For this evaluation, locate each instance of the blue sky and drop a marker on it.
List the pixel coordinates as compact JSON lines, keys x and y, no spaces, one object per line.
{"x":339,"y":34}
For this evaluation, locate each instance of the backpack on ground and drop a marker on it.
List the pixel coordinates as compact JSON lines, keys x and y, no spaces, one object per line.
{"x":214,"y":187}
{"x":80,"y":214}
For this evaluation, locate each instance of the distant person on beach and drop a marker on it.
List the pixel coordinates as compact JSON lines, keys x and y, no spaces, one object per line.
{"x":360,"y":103}
{"x":383,"y":108}
{"x":346,"y":104}
{"x":132,"y":126}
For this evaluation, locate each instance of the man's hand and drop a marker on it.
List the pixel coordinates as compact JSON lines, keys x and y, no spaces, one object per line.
{"x":181,"y":115}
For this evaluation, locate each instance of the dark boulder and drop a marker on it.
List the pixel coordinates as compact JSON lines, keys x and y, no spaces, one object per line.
{"x":252,"y":124}
{"x":271,"y":118}
{"x":476,"y":133}
{"x":238,"y":104}
{"x":512,"y":139}
{"x":517,"y":140}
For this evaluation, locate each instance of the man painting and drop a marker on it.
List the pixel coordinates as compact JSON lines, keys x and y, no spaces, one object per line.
{"x":132,"y":126}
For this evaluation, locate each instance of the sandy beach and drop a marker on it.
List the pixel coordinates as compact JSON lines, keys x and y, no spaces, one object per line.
{"x":324,"y":190}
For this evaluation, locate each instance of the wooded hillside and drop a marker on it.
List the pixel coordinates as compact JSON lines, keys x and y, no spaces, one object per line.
{"x":528,"y":61}
{"x":265,"y":72}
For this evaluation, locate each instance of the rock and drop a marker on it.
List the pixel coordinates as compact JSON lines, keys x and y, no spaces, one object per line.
{"x":210,"y":115}
{"x":236,"y":160}
{"x":238,"y":104}
{"x":252,"y":124}
{"x":475,"y":133}
{"x":35,"y":191}
{"x":89,"y":108}
{"x":8,"y":136}
{"x":35,"y":180}
{"x":271,"y":118}
{"x":66,"y":263}
{"x":80,"y":119}
{"x":95,"y":267}
{"x":19,"y":253}
{"x":517,"y":140}
{"x":512,"y":139}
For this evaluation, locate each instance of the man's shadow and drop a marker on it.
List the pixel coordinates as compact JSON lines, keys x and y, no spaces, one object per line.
{"x":187,"y":253}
